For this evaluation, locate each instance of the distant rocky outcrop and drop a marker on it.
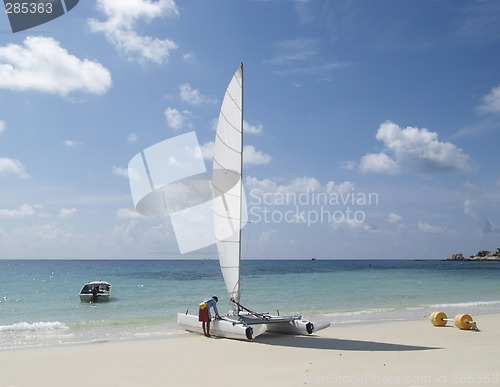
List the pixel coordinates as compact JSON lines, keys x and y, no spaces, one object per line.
{"x":482,"y":255}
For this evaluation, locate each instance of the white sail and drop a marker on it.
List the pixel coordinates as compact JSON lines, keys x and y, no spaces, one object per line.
{"x":227,"y":184}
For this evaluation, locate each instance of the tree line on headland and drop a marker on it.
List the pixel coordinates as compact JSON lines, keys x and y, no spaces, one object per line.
{"x":483,"y":255}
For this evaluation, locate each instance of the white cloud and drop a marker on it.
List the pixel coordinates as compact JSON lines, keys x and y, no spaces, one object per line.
{"x":176,"y":119}
{"x":207,"y":150}
{"x":252,"y":129}
{"x":253,"y":156}
{"x":394,"y":218}
{"x":119,"y":171}
{"x":430,"y":229}
{"x":344,"y":187}
{"x":352,"y":224}
{"x":24,"y":211}
{"x":119,"y":27}
{"x":422,"y":151}
{"x":190,"y":58}
{"x":2,"y":126}
{"x":299,"y":185}
{"x":193,"y":96}
{"x":132,"y":137}
{"x":10,"y":166}
{"x":418,"y":149}
{"x":264,"y":186}
{"x":42,"y":65}
{"x":174,"y":162}
{"x":250,"y":154}
{"x":295,"y":56}
{"x":472,"y":187}
{"x":302,"y":184}
{"x":72,"y":143}
{"x":485,"y":224}
{"x":67,"y":212}
{"x":43,"y":236}
{"x":491,"y":101}
{"x":127,"y":213}
{"x":378,"y":163}
{"x":126,"y":233}
{"x":294,"y":50}
{"x":468,"y":206}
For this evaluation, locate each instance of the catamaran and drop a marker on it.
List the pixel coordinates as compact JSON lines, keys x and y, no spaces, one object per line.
{"x":229,"y":215}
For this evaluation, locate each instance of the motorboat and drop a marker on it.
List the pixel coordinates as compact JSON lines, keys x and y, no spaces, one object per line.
{"x":96,"y":291}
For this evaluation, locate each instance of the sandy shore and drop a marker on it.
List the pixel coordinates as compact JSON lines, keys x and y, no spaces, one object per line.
{"x":409,"y":353}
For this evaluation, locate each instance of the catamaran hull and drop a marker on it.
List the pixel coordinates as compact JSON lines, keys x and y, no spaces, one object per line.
{"x":297,"y":327}
{"x":221,"y":328}
{"x":233,"y":329}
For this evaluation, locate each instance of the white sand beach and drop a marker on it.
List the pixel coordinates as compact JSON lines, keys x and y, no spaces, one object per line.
{"x":404,"y":353}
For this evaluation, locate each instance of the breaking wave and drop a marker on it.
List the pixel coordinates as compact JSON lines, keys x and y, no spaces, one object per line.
{"x":33,"y":327}
{"x":468,"y":304}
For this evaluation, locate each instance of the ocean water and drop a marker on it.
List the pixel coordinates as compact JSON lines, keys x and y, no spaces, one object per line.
{"x":39,"y":303}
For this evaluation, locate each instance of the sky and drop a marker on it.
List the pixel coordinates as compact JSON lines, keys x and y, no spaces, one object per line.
{"x":371,"y":127}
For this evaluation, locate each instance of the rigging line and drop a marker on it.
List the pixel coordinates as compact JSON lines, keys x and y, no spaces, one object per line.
{"x":259,"y":315}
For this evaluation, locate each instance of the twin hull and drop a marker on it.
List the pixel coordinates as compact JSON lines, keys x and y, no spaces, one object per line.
{"x":236,"y":329}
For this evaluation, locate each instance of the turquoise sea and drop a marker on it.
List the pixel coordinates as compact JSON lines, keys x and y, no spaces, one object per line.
{"x":39,"y":303}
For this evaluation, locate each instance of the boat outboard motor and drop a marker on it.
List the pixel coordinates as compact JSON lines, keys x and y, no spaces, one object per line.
{"x":94,"y":294}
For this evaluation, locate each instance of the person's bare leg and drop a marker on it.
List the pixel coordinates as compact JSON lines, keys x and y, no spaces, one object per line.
{"x":208,"y":329}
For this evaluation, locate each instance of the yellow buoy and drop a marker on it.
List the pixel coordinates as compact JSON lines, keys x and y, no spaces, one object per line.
{"x":438,"y":319}
{"x":464,"y":321}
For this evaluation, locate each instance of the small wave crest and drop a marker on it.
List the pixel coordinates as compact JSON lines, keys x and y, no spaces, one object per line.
{"x":471,"y":304}
{"x":410,"y":312}
{"x":33,"y":327}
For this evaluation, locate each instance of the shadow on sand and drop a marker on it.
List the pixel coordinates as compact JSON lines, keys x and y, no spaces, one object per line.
{"x":315,"y":342}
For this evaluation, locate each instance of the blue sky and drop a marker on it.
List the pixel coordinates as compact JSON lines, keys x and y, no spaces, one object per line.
{"x":345,"y":101}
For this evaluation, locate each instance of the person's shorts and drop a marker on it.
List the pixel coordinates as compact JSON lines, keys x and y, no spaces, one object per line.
{"x":203,"y":315}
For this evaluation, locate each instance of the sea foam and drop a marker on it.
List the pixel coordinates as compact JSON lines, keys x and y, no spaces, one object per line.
{"x":36,"y":326}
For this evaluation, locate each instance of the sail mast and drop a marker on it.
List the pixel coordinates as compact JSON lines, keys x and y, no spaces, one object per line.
{"x":241,"y":169}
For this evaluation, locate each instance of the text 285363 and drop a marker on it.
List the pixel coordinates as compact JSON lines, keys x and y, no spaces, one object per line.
{"x":25,"y":8}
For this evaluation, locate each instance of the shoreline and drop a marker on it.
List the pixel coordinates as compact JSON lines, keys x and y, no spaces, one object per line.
{"x":380,"y":353}
{"x":173,"y":331}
